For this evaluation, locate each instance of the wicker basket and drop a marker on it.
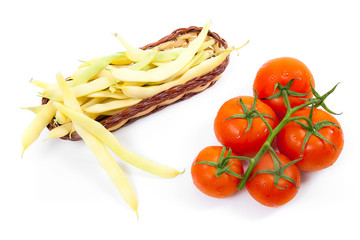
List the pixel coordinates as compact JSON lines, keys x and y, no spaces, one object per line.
{"x":179,"y":37}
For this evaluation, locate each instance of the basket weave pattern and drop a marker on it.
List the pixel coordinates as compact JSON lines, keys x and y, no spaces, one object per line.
{"x":165,"y":98}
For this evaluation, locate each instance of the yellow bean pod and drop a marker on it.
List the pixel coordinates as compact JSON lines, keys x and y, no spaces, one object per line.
{"x":35,"y":109}
{"x":111,"y":105}
{"x":32,"y":132}
{"x":168,"y":55}
{"x":91,"y":102}
{"x":40,"y":84}
{"x":133,"y":53}
{"x":84,"y":89}
{"x":61,"y":118}
{"x":146,"y":61}
{"x":93,"y":69}
{"x":99,"y":150}
{"x":60,"y":131}
{"x":167,"y":70}
{"x":199,"y":70}
{"x":121,"y":60}
{"x":107,"y":94}
{"x":109,"y":164}
{"x":99,"y":131}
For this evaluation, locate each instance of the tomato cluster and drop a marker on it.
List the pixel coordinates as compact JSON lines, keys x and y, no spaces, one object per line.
{"x":284,"y":109}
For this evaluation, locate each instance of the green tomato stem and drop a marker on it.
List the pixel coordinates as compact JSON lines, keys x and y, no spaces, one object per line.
{"x":272,"y":134}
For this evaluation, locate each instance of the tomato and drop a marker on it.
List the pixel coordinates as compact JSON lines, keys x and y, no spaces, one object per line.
{"x":262,"y":186}
{"x":282,"y":70}
{"x":232,"y":132}
{"x":318,"y":154}
{"x":204,"y":175}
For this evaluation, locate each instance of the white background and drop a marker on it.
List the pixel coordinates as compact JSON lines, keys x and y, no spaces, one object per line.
{"x":59,"y":191}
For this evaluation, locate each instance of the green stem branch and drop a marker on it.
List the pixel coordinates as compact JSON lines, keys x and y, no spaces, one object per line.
{"x":272,"y":134}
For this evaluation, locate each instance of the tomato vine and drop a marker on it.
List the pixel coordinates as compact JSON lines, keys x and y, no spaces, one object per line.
{"x":222,"y":165}
{"x":284,"y":92}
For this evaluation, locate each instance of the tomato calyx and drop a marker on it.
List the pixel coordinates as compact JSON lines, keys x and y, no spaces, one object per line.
{"x":286,"y":89}
{"x":250,"y":114}
{"x":313,"y":129}
{"x":223,"y":166}
{"x":278,"y":170}
{"x":322,"y":98}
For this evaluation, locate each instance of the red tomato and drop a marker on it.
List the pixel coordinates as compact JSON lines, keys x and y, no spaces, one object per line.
{"x":231,"y":133}
{"x":204,"y":177}
{"x":282,"y":70}
{"x":262,"y":186}
{"x":318,"y":153}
